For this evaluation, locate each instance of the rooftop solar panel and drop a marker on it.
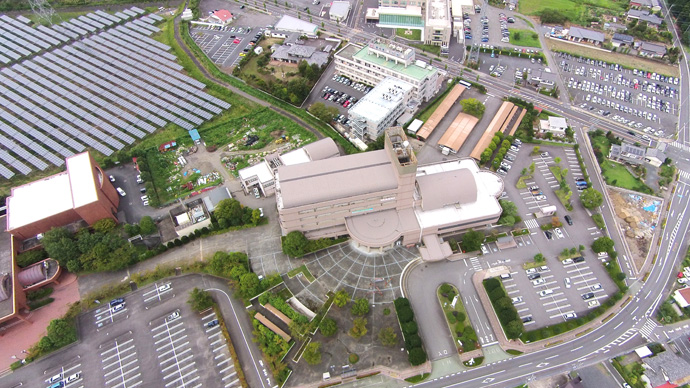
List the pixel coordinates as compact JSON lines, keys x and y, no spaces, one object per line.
{"x":23,"y":19}
{"x":129,"y":12}
{"x":53,"y":33}
{"x":155,"y":17}
{"x":91,"y":22}
{"x":138,"y":10}
{"x":16,"y":48}
{"x":106,"y":15}
{"x":65,"y":32}
{"x":122,"y":16}
{"x":74,"y":28}
{"x":83,"y":25}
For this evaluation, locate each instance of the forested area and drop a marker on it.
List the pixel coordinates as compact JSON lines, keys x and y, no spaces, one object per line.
{"x":680,"y":9}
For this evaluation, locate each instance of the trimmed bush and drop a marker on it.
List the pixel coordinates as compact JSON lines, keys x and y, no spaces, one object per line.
{"x":413,"y":341}
{"x":405,"y":314}
{"x":410,"y":328}
{"x":417,"y":356}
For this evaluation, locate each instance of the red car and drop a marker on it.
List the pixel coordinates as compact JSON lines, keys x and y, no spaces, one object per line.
{"x":236,"y":41}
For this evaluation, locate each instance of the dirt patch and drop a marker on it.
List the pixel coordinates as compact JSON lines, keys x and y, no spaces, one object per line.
{"x":638,"y":215}
{"x":611,"y":57}
{"x":336,"y":350}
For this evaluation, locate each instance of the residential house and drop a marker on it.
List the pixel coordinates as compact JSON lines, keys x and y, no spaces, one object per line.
{"x":627,"y":153}
{"x":222,"y":17}
{"x":682,"y":297}
{"x":651,"y":50}
{"x":656,"y":156}
{"x":555,"y":125}
{"x":582,"y":35}
{"x":654,"y":5}
{"x":644,"y":16}
{"x":622,"y":40}
{"x":666,"y":369}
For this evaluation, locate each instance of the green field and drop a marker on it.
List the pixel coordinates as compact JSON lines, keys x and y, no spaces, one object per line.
{"x":617,"y":175}
{"x":427,"y":48}
{"x":574,"y":10}
{"x":525,"y":38}
{"x":409,"y":34}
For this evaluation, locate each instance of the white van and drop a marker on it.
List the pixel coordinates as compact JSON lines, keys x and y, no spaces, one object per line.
{"x":505,"y":276}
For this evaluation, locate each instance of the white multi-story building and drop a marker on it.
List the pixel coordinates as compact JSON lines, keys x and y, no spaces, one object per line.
{"x":383,"y":58}
{"x":437,"y":29}
{"x":379,"y":108}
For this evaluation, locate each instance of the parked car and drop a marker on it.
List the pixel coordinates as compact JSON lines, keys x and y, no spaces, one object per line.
{"x":570,"y":316}
{"x":567,"y":282}
{"x":120,"y":191}
{"x":527,"y":319}
{"x":116,"y":301}
{"x":517,"y":299}
{"x":174,"y":315}
{"x":112,"y":178}
{"x":212,"y":323}
{"x":587,"y":295}
{"x":545,"y":293}
{"x":568,"y":219}
{"x":533,"y":276}
{"x":548,"y":234}
{"x":558,"y":232}
{"x":538,"y":282}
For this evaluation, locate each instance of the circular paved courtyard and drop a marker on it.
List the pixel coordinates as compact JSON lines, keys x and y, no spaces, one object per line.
{"x":375,"y":277}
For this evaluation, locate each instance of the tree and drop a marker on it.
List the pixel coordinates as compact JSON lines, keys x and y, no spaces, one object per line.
{"x":199,"y":300}
{"x":312,"y":354}
{"x":602,"y":244}
{"x":539,"y":258}
{"x":249,"y":285}
{"x":228,"y":212}
{"x":472,"y":240}
{"x":377,"y":144}
{"x":60,"y":246}
{"x":147,"y":226}
{"x":514,"y":329}
{"x":557,"y":160}
{"x":295,"y":244}
{"x":104,"y":226}
{"x":532,"y":167}
{"x":523,"y":172}
{"x":473,"y":107}
{"x":388,"y":337}
{"x":61,"y":332}
{"x":517,"y":35}
{"x":323,"y":112}
{"x":535,"y":150}
{"x":509,"y":216}
{"x":256,"y":216}
{"x":359,"y":328}
{"x":591,"y":198}
{"x":27,"y":258}
{"x":341,"y":298}
{"x":328,"y":327}
{"x":360,"y":307}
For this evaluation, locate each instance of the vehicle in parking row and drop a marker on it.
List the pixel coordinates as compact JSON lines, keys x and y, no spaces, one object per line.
{"x":516,"y":299}
{"x":567,"y":282}
{"x":539,"y":281}
{"x":568,"y":219}
{"x":588,"y":295}
{"x":545,"y":293}
{"x":569,"y":316}
{"x":527,"y":319}
{"x":533,"y":276}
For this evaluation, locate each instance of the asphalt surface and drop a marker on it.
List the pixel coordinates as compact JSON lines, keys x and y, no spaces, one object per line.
{"x":143,"y":345}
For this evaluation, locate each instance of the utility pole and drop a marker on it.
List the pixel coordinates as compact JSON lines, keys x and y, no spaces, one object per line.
{"x":44,"y":11}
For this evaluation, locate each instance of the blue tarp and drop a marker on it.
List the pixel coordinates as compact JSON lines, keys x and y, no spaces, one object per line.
{"x":194,"y":134}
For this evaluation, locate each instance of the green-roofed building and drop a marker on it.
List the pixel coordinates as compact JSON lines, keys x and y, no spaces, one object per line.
{"x":383,"y":58}
{"x":410,"y":17}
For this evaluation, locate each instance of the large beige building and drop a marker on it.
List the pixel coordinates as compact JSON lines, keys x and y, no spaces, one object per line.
{"x":383,"y":198}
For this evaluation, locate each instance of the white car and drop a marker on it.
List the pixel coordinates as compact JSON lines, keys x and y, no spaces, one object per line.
{"x":139,"y":180}
{"x":73,"y":378}
{"x":567,"y":261}
{"x":164,"y":287}
{"x":570,"y":316}
{"x":121,"y":192}
{"x":531,"y":271}
{"x":517,"y":299}
{"x":567,"y":282}
{"x":596,"y":287}
{"x":174,"y":316}
{"x":485,"y":250}
{"x":683,"y":280}
{"x":592,"y":303}
{"x":541,"y":198}
{"x":55,"y":378}
{"x":558,"y":232}
{"x":545,"y":293}
{"x":117,"y":307}
{"x":112,"y":178}
{"x":538,"y":281}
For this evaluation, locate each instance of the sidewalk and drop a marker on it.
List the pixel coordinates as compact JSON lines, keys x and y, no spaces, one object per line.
{"x":20,"y":336}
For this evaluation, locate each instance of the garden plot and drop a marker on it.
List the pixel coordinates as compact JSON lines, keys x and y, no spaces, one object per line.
{"x":639,"y":216}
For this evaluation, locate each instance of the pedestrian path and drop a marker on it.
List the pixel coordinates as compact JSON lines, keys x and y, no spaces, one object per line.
{"x":476,"y":264}
{"x":531,"y":224}
{"x":680,"y":145}
{"x":684,"y":174}
{"x":648,"y":329}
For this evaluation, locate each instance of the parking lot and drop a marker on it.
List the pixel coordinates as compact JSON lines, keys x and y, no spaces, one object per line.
{"x":153,"y":339}
{"x":640,"y":100}
{"x":500,"y":65}
{"x":224,"y":45}
{"x":332,"y":86}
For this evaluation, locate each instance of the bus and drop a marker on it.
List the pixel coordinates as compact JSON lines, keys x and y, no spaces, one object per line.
{"x":465,"y":84}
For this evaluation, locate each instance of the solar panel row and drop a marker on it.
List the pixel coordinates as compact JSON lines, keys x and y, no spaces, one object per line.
{"x":110,"y":85}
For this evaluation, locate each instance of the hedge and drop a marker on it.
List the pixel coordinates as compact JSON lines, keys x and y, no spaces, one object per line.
{"x":413,"y":342}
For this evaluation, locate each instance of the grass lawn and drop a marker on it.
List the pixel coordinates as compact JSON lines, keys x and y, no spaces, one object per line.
{"x":616,"y":174}
{"x":427,"y":113}
{"x":418,"y":378}
{"x":521,"y":182}
{"x":575,"y":10}
{"x":428,"y":48}
{"x":526,"y":38}
{"x":304,"y":271}
{"x":409,"y":34}
{"x":629,"y":61}
{"x":602,"y":143}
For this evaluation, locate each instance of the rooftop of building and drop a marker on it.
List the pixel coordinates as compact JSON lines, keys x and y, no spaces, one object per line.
{"x":584,"y":33}
{"x":472,"y":197}
{"x":339,"y":8}
{"x":438,"y":13}
{"x":223,"y":15}
{"x":623,"y":38}
{"x":289,"y":23}
{"x":385,"y":96}
{"x":654,"y":48}
{"x":412,"y":70}
{"x":666,"y":366}
{"x":55,"y":194}
{"x":335,"y":178}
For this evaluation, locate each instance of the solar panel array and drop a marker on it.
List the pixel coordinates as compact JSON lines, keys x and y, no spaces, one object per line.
{"x":97,"y":81}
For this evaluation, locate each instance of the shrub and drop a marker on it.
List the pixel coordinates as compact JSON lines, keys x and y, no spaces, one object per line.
{"x":405,"y":314}
{"x":360,"y":307}
{"x":25,"y":259}
{"x":413,"y":341}
{"x":410,"y":328}
{"x":417,"y":356}
{"x":328,"y":327}
{"x":200,"y":300}
{"x":401,"y":302}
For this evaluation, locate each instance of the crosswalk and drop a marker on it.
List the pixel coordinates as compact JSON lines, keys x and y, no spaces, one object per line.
{"x":476,"y":264}
{"x":531,"y":224}
{"x":680,"y":145}
{"x":684,"y":174}
{"x":648,"y":329}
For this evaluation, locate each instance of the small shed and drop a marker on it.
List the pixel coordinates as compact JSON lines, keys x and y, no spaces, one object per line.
{"x":258,"y":50}
{"x":643,"y":352}
{"x":414,"y":126}
{"x":194,"y":134}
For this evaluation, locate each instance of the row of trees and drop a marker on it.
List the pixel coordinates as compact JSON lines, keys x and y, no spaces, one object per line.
{"x":235,"y":267}
{"x":413,"y":342}
{"x":295,"y":244}
{"x":230,"y":212}
{"x":506,"y":312}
